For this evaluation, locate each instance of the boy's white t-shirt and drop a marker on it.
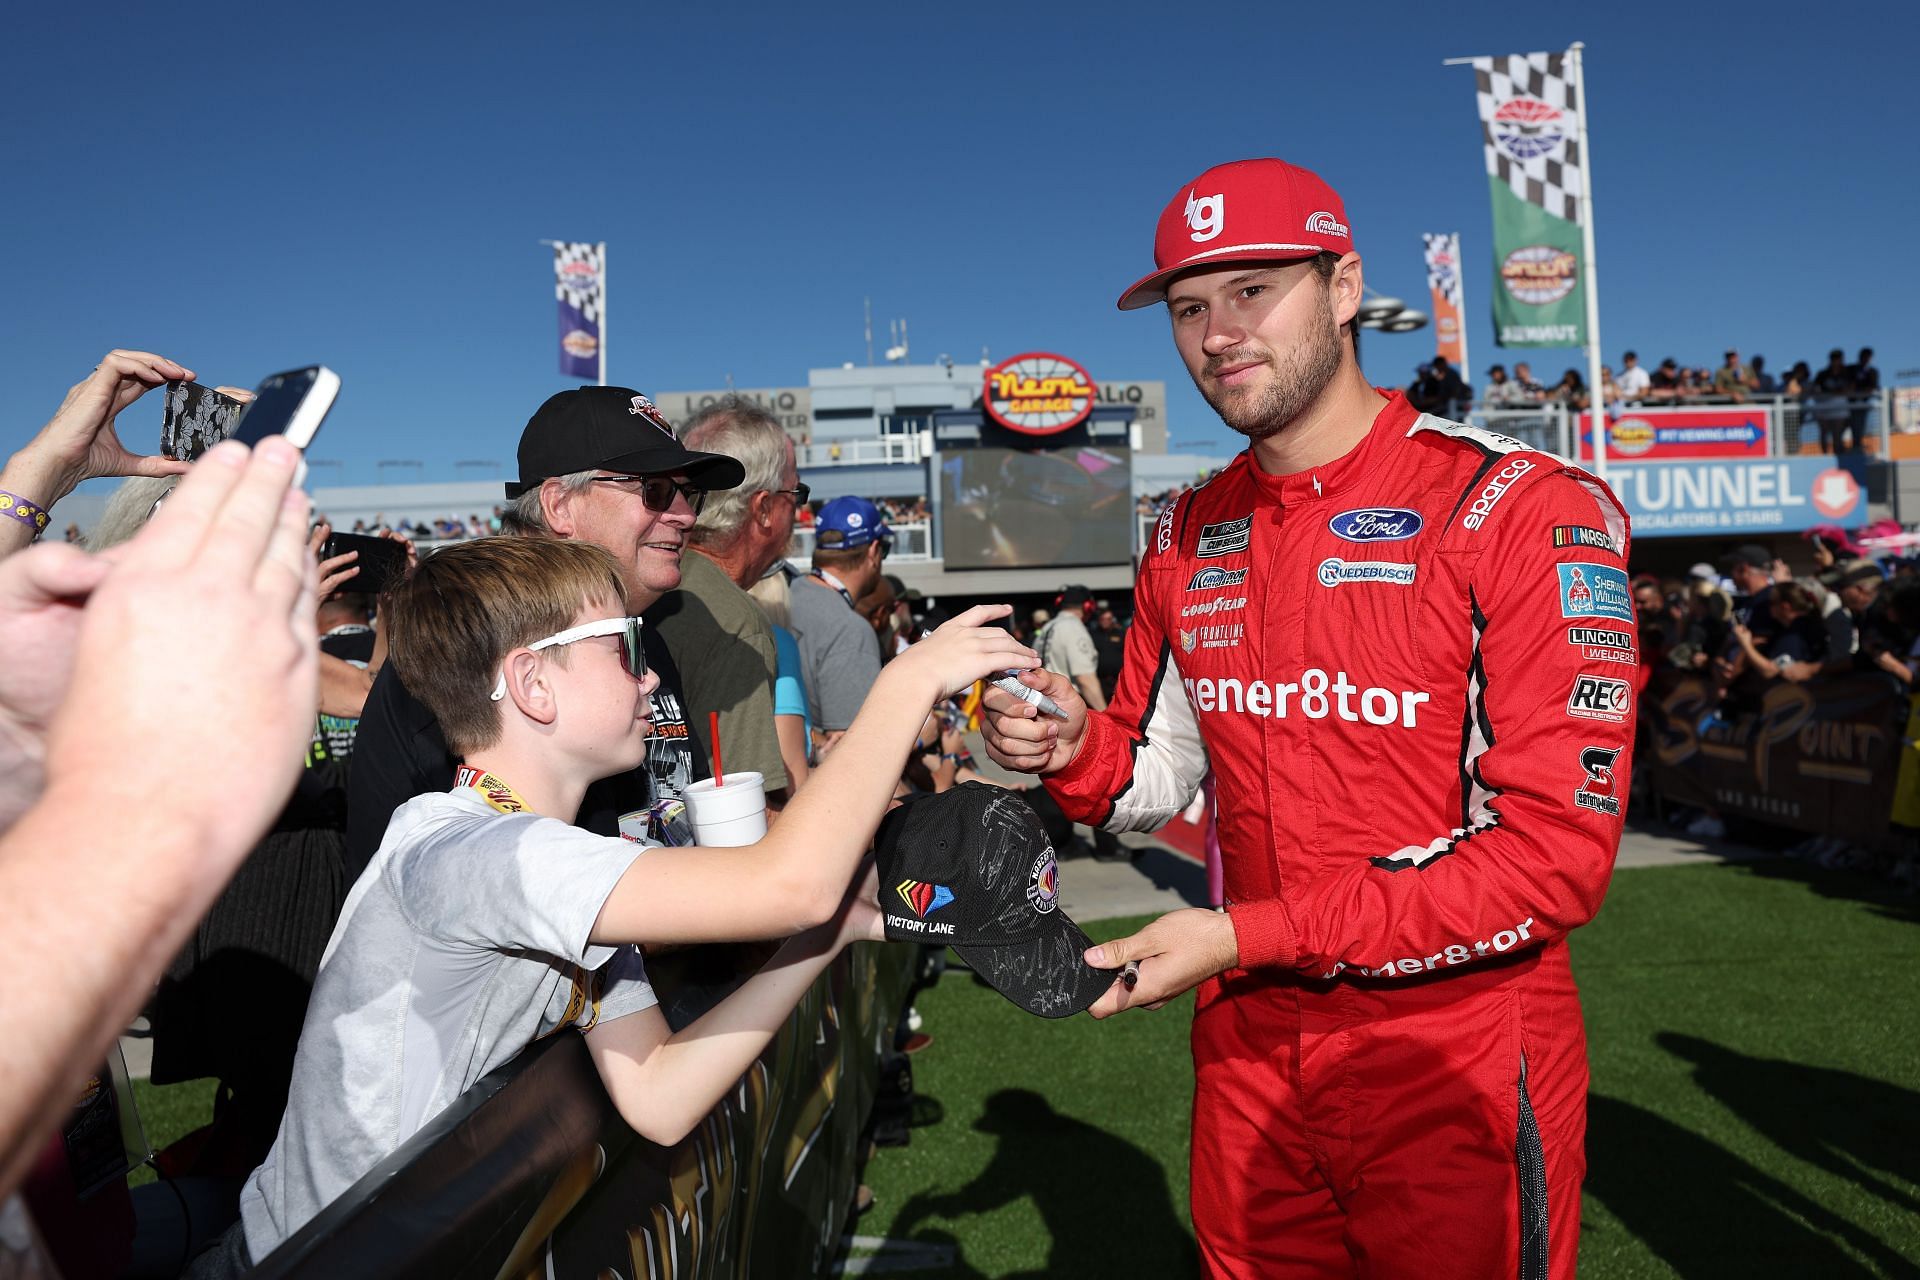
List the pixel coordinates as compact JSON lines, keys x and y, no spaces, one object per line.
{"x":463,"y":941}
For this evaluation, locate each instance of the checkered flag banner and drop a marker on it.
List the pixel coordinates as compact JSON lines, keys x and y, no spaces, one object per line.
{"x":1527,"y":121}
{"x":1443,"y":265}
{"x":579,"y":287}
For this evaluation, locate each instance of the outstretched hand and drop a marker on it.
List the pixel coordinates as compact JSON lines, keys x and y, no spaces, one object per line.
{"x":80,"y":441}
{"x":966,"y":649}
{"x":1175,"y":954}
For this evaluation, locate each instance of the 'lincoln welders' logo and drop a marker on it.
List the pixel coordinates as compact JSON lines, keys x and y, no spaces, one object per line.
{"x":1527,"y":128}
{"x":1038,"y":394}
{"x":1043,"y":883}
{"x":646,"y":408}
{"x":923,"y":899}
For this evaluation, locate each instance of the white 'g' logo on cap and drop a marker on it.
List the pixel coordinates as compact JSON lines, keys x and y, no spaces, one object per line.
{"x":1207,"y":215}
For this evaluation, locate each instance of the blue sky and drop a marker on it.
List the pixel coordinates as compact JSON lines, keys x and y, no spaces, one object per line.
{"x":252,"y":187}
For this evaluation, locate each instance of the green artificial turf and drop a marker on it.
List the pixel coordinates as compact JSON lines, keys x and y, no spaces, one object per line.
{"x":1755,"y":1040}
{"x":168,"y":1113}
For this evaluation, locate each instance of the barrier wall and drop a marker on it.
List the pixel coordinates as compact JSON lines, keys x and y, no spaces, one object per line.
{"x":1821,"y":757}
{"x":532,"y":1173}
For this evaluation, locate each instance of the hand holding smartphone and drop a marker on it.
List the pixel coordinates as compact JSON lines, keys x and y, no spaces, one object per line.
{"x":291,"y":404}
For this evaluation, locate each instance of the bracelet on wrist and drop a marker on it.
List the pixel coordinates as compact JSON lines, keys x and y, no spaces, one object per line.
{"x":31,"y":514}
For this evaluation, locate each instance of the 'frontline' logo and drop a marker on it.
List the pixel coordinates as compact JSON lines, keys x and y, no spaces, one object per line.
{"x":1334,"y":572}
{"x":1494,"y":490}
{"x":1325,"y":224}
{"x":1207,"y":216}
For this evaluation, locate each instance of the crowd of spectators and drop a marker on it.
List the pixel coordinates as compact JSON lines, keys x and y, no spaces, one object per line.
{"x":331,"y":817}
{"x":1833,"y":395}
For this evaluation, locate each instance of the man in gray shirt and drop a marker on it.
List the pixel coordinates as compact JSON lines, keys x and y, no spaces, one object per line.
{"x":838,"y":656}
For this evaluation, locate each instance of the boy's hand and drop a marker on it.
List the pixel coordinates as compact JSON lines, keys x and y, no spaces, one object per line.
{"x":860,"y":919}
{"x":967,"y":649}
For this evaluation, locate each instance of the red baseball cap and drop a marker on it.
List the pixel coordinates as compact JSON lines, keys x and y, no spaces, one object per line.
{"x":1246,"y":211}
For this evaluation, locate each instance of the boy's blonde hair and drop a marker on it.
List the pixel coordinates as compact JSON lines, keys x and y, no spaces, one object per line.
{"x":465,"y":607}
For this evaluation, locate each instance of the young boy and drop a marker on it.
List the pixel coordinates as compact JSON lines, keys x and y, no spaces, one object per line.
{"x":486,"y":921}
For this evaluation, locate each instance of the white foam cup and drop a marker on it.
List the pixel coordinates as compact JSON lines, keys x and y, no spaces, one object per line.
{"x":727,"y":812}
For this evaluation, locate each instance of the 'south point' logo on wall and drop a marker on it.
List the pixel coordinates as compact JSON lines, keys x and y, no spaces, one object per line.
{"x":1539,"y":273}
{"x":1038,"y":393}
{"x":1527,"y":128}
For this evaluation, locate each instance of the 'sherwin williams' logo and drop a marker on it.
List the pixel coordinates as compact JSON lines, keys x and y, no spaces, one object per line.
{"x":1208,"y":579}
{"x":923,"y":899}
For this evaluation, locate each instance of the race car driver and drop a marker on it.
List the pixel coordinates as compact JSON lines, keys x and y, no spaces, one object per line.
{"x":1406,"y":649}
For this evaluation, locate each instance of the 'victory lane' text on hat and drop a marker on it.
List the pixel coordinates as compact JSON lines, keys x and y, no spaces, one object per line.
{"x":972,"y":868}
{"x":1247,"y":211}
{"x":612,"y":429}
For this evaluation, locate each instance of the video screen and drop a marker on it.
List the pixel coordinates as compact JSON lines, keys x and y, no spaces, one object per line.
{"x":1026,"y":508}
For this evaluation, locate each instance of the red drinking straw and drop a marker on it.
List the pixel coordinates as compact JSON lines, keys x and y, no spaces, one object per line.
{"x":713,"y":735}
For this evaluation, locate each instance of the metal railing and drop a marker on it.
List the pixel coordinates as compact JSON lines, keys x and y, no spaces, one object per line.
{"x":876,"y":451}
{"x":912,"y":541}
{"x":1793,"y":423}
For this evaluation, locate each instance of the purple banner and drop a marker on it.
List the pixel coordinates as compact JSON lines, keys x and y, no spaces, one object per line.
{"x":579,"y":289}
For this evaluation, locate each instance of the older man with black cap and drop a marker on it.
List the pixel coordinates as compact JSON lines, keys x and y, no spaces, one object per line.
{"x":1404,"y":647}
{"x":601,"y":464}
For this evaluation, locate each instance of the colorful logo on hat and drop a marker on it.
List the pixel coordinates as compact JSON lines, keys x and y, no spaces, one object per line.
{"x":647,"y":409}
{"x":1038,"y":393}
{"x":1527,"y":128}
{"x":923,"y":899}
{"x":1043,"y":883}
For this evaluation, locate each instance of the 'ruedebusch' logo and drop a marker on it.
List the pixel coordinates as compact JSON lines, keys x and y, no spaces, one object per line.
{"x":1335,"y":572}
{"x":1594,"y":591}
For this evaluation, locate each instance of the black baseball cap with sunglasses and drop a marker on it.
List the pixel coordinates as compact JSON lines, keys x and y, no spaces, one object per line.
{"x":617,"y":429}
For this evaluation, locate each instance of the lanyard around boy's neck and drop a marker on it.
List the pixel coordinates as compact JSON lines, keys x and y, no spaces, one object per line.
{"x":503,"y":798}
{"x":836,"y":584}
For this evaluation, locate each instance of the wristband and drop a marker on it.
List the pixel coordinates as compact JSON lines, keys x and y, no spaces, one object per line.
{"x":27,"y":513}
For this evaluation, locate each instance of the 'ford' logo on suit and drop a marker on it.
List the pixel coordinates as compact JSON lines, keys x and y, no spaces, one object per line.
{"x":1376,"y":524}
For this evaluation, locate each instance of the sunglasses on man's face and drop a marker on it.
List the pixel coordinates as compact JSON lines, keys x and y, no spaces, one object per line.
{"x":627,"y":629}
{"x":657,"y":491}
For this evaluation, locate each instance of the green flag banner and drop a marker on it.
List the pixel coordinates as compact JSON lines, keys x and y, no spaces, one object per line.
{"x":1535,"y":176}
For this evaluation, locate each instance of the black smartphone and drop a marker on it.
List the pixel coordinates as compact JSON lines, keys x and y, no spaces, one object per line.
{"x":382,"y":562}
{"x":196,"y":418}
{"x":291,"y":404}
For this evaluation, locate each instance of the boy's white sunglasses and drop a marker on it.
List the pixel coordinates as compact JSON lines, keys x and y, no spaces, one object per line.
{"x":628,"y":629}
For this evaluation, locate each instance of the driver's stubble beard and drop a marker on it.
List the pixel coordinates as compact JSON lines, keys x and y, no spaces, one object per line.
{"x":1298,"y":379}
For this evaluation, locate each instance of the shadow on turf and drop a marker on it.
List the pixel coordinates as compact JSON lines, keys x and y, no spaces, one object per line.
{"x":1709,"y":1214}
{"x":1104,"y":1202}
{"x":1854,"y":886}
{"x":1851,"y":1126}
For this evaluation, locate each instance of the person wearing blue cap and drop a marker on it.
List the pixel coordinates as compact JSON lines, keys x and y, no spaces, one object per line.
{"x":839,"y":660}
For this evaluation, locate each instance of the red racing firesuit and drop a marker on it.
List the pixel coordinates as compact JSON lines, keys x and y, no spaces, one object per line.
{"x":1412,"y":672}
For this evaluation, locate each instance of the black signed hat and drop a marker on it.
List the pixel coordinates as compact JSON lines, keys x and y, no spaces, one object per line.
{"x":972,"y":868}
{"x":612,"y":429}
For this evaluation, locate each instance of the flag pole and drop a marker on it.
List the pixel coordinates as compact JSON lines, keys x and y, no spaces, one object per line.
{"x":1596,"y":394}
{"x":1460,"y":288}
{"x":604,"y":309}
